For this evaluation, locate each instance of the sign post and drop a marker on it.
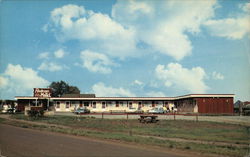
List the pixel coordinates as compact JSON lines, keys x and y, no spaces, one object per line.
{"x":42,"y":93}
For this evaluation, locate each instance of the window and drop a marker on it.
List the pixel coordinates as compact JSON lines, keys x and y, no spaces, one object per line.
{"x":103,"y":104}
{"x":39,"y":103}
{"x":139,"y":105}
{"x":109,"y":103}
{"x":116,"y":104}
{"x":67,"y":104}
{"x":57,"y":104}
{"x":86,"y":104}
{"x":121,"y":103}
{"x":130,"y":105}
{"x":153,"y":104}
{"x":94,"y":104}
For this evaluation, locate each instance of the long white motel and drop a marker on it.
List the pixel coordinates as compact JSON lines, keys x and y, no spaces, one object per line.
{"x":191,"y":103}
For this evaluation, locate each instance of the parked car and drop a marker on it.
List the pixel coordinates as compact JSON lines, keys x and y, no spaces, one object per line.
{"x":134,"y":110}
{"x":157,"y":110}
{"x":8,"y":109}
{"x":81,"y":110}
{"x":11,"y":110}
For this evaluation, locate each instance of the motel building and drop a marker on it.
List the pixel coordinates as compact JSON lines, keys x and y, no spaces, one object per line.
{"x":191,"y":103}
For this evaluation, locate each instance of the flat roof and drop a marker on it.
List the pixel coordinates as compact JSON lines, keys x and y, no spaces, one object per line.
{"x":133,"y":98}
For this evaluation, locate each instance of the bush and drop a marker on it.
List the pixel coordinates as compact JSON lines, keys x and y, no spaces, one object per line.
{"x":34,"y":113}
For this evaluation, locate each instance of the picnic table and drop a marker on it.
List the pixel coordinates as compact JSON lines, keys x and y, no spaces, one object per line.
{"x":148,"y":119}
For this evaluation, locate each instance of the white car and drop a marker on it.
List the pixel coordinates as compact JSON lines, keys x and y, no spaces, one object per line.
{"x":157,"y":110}
{"x":5,"y":108}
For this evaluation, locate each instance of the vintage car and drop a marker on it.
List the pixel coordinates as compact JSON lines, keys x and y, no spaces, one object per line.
{"x":81,"y":111}
{"x":157,"y":110}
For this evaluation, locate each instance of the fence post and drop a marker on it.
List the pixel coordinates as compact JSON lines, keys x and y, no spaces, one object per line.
{"x":197,"y":117}
{"x":127,"y":116}
{"x":174,"y":115}
{"x":102,"y":115}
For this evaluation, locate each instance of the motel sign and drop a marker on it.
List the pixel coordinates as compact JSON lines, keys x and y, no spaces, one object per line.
{"x":42,"y":92}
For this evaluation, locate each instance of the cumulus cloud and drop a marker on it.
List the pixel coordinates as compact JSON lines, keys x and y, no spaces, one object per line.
{"x":176,"y":76}
{"x":43,"y":55}
{"x":96,"y":62}
{"x":231,"y":28}
{"x":75,"y":22}
{"x":50,"y":66}
{"x":132,"y":23}
{"x":165,"y":34}
{"x":17,"y":80}
{"x":59,"y":53}
{"x":3,"y":81}
{"x":217,"y":76}
{"x":101,"y":90}
{"x":137,"y":82}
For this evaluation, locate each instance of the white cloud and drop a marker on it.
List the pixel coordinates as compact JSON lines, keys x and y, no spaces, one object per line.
{"x":231,"y":28}
{"x":176,"y":76}
{"x":59,"y":53}
{"x":155,"y":94}
{"x":137,"y":82}
{"x":3,"y":81}
{"x":43,"y":55}
{"x":101,"y":90}
{"x":134,"y":22}
{"x":165,"y":34}
{"x":96,"y":62}
{"x":217,"y":76}
{"x":17,"y":80}
{"x":50,"y":66}
{"x":245,"y":7}
{"x":130,"y":11}
{"x":75,"y":22}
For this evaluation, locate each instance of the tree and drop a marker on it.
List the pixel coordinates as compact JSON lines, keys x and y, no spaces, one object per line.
{"x":61,"y":87}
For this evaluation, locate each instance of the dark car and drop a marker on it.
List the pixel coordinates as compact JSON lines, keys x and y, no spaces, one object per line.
{"x":11,"y":110}
{"x":81,"y":111}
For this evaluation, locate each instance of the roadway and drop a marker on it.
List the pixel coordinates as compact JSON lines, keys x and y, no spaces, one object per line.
{"x":18,"y":142}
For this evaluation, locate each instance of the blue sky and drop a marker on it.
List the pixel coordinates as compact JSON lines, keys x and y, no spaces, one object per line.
{"x":126,"y":48}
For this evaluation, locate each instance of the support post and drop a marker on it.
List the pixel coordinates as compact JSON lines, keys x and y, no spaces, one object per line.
{"x":197,"y":117}
{"x":102,"y":115}
{"x":174,"y":115}
{"x":48,"y":105}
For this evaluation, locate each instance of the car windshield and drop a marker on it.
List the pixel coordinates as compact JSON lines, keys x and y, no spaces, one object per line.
{"x":80,"y":109}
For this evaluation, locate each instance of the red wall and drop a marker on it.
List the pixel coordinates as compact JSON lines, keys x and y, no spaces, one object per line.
{"x":215,"y":105}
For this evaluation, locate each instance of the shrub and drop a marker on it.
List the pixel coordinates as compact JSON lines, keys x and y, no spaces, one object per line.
{"x":35,"y":113}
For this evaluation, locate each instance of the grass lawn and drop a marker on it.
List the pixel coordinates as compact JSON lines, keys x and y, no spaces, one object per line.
{"x":234,"y":138}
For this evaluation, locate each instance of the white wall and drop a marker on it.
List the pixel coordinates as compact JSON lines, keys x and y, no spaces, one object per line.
{"x":110,"y":105}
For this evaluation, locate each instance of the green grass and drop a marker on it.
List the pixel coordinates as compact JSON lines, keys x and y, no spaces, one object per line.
{"x":206,"y":131}
{"x":120,"y":130}
{"x":2,"y":120}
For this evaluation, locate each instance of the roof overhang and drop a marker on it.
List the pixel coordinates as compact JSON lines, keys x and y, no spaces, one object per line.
{"x":134,"y":98}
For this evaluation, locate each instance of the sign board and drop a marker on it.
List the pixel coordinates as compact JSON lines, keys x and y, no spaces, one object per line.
{"x":42,"y":92}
